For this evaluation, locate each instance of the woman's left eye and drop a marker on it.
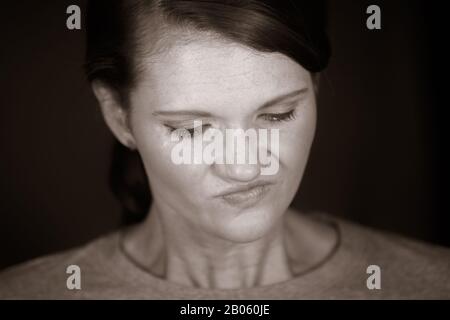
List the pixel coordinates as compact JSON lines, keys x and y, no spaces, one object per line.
{"x":278,"y":117}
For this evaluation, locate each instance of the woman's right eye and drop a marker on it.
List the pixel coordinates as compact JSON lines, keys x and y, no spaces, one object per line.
{"x":183,"y":132}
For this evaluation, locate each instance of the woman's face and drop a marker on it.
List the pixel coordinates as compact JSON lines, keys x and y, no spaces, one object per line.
{"x":226,"y":86}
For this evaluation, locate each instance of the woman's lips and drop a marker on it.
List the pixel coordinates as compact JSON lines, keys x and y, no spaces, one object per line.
{"x":248,"y":197}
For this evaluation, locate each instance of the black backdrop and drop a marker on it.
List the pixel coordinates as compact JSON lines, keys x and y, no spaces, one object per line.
{"x":377,"y":157}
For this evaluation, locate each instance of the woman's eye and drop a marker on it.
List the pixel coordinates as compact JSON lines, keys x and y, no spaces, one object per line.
{"x":278,"y":117}
{"x":181,"y":132}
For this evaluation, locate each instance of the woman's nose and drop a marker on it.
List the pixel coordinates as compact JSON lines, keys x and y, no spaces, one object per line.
{"x":238,"y":172}
{"x":240,"y":158}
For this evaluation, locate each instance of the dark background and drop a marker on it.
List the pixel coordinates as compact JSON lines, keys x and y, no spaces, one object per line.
{"x":378,"y":157}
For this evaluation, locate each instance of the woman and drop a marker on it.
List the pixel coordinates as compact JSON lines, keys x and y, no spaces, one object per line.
{"x":167,"y":69}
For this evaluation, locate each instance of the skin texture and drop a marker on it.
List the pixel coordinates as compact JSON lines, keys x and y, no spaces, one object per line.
{"x":192,"y":236}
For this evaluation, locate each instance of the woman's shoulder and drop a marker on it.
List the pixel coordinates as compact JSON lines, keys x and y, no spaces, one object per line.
{"x":55,"y":275}
{"x":388,"y":245}
{"x":408,"y":267}
{"x":356,"y":238}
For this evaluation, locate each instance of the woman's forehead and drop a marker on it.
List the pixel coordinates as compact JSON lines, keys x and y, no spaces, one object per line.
{"x":218,"y":72}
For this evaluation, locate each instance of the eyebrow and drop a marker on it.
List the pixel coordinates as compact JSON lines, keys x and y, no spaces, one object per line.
{"x":277,"y":100}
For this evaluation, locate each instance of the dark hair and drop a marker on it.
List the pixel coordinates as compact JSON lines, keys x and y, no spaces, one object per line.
{"x":115,"y":27}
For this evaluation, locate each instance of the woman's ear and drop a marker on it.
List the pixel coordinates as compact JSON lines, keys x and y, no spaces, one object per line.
{"x":115,"y":115}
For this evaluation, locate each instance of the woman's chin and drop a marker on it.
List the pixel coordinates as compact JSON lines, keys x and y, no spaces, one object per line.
{"x":247,"y":227}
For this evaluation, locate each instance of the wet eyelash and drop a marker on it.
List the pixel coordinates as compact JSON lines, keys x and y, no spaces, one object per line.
{"x":192,"y":131}
{"x":278,"y":117}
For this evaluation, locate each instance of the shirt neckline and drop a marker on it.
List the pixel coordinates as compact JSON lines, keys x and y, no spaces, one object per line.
{"x":310,"y":278}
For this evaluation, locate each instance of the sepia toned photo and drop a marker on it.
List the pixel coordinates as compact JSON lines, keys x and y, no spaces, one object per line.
{"x":222,"y":150}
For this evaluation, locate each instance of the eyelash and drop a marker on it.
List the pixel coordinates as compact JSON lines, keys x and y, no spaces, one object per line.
{"x":279,"y":117}
{"x":271,"y":117}
{"x":192,"y":131}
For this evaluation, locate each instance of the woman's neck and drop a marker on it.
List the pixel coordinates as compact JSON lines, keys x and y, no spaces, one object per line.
{"x":227,"y":266}
{"x":198,"y":260}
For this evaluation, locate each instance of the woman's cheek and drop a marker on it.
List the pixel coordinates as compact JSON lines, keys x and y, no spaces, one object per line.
{"x":154,"y":146}
{"x":156,"y":149}
{"x":291,"y":148}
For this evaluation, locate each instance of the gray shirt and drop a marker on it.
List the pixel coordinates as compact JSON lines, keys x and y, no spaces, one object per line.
{"x":407,"y":269}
